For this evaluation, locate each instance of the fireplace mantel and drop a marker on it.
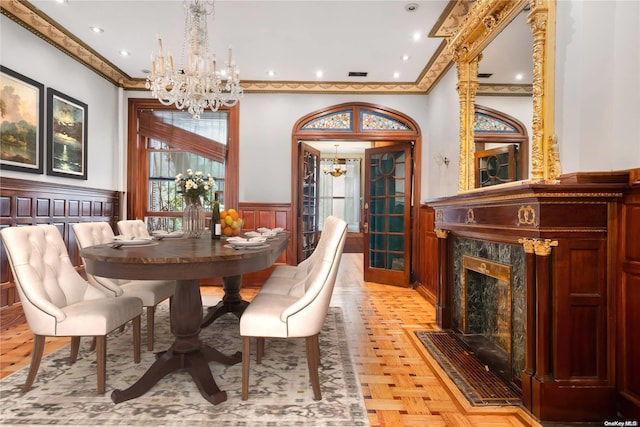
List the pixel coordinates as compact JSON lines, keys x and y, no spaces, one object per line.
{"x":569,"y":233}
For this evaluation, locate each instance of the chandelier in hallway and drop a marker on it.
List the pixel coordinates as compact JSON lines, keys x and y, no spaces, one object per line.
{"x":338,"y":169}
{"x":200,"y":84}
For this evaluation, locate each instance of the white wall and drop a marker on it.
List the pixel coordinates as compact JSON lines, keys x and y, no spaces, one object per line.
{"x":597,"y":97}
{"x":266,"y":124}
{"x":32,"y":57}
{"x":441,"y":137}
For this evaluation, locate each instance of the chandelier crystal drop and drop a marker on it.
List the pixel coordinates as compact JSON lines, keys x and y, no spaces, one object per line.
{"x":337,"y":170}
{"x":200,"y":84}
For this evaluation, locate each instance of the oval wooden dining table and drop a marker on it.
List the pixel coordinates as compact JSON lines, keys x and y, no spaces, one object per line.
{"x":186,"y":261}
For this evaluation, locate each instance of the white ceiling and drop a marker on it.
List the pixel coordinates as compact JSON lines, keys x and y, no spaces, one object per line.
{"x":295,"y":38}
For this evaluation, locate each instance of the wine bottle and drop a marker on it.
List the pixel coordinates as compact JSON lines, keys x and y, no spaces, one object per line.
{"x":216,"y":229}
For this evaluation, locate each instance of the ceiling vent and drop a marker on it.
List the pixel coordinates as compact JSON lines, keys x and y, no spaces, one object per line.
{"x":484,"y":75}
{"x":358,"y":74}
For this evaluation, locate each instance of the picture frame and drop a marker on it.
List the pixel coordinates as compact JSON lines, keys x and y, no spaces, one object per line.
{"x":22,"y":122}
{"x":67,"y":127}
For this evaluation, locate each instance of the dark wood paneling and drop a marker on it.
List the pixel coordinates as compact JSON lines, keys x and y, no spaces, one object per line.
{"x":628,"y":307}
{"x":426,"y":265}
{"x":24,"y":202}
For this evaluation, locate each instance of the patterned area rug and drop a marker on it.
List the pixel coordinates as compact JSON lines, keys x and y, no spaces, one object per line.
{"x":279,"y":390}
{"x":480,"y":386}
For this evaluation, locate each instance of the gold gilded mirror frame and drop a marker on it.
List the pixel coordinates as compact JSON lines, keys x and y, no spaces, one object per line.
{"x":483,"y":23}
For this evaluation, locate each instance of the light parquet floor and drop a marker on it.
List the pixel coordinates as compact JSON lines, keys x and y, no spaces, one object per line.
{"x":401,"y":384}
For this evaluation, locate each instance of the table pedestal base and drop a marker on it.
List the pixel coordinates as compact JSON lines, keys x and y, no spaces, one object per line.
{"x":232,"y":302}
{"x":197,"y":363}
{"x":187,"y":351}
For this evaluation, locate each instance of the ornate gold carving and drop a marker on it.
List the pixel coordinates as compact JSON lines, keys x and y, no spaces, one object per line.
{"x":529,"y":245}
{"x":555,"y":169}
{"x":543,"y":247}
{"x":471,"y":217}
{"x":485,"y":19}
{"x":526,"y":215}
{"x":441,"y":234}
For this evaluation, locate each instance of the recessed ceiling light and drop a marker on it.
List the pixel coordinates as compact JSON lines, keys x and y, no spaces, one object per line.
{"x":271,"y":73}
{"x":146,"y":71}
{"x":97,"y":29}
{"x":519,"y":76}
{"x":411,"y":7}
{"x":396,"y":75}
{"x":125,"y":52}
{"x":319,"y":74}
{"x":405,"y":57}
{"x":61,"y":1}
{"x":416,"y":36}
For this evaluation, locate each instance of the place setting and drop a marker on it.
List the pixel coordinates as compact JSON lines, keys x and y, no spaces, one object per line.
{"x":249,"y":243}
{"x":163,"y":234}
{"x":128,"y":241}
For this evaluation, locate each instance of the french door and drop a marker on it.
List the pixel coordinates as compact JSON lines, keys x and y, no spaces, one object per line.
{"x":387,"y":214}
{"x":308,"y":200}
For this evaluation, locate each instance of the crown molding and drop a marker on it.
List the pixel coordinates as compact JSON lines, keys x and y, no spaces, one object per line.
{"x":38,"y":23}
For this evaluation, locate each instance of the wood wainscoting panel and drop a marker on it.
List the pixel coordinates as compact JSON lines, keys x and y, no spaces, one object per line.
{"x":628,"y":302}
{"x":426,"y":263}
{"x":25,"y":202}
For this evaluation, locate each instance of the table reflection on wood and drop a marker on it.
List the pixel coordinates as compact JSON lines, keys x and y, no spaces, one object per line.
{"x":186,"y":261}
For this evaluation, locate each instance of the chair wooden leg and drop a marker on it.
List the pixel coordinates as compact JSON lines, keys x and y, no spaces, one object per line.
{"x":36,"y":357}
{"x":246,"y":358}
{"x":313,"y":362}
{"x":75,"y":348}
{"x":136,"y":339}
{"x":93,"y":344}
{"x":101,"y":362}
{"x":259,"y":349}
{"x":150,"y":326}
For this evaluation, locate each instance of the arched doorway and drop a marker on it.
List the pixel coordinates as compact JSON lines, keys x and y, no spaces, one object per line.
{"x":391,"y":177}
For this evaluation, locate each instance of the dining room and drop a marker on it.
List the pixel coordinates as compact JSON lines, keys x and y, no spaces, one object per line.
{"x":579,"y":188}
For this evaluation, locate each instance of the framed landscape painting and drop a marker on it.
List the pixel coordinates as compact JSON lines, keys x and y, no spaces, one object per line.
{"x":67,"y":136}
{"x":21,"y":122}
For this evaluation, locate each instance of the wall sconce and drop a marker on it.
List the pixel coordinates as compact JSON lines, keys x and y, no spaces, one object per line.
{"x":442,"y":160}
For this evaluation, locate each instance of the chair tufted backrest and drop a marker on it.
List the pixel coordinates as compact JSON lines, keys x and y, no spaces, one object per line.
{"x":97,"y":233}
{"x":330,"y":223}
{"x":133,"y":228}
{"x":45,"y":278}
{"x":306,"y":316}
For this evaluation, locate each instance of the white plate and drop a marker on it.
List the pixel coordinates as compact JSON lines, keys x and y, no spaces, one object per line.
{"x":134,"y":242}
{"x":244,"y":243}
{"x":260,"y":246}
{"x":252,"y":234}
{"x":165,"y":235}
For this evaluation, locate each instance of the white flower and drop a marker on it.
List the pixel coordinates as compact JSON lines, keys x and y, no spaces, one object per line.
{"x":194,"y":185}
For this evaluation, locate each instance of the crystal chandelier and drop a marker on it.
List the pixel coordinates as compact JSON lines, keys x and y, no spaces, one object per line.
{"x":199,"y":84}
{"x":337,"y":170}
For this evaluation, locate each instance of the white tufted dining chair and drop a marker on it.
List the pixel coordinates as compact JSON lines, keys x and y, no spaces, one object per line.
{"x":58,"y":302}
{"x":133,"y":228}
{"x":284,"y":276}
{"x":299,"y":313}
{"x":151,"y":292}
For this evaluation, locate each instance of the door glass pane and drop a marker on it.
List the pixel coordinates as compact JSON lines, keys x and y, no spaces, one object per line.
{"x":309,"y":197}
{"x":386,"y":211}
